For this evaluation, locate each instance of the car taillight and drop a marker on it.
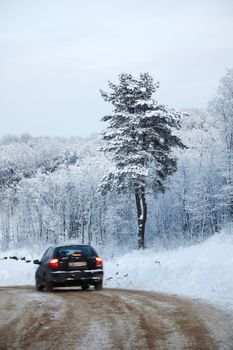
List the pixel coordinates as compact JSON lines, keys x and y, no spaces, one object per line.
{"x":99,"y":261}
{"x":54,"y":263}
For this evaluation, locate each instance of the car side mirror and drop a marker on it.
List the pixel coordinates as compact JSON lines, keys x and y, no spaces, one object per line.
{"x":37,"y":262}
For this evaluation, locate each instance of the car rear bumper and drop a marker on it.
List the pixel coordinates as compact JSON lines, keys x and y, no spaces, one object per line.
{"x":76,"y":277}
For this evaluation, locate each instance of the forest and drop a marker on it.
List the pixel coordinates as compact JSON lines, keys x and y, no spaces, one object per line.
{"x":50,"y":188}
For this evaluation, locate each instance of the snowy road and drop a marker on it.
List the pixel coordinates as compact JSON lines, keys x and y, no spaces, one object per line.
{"x":110,"y":319}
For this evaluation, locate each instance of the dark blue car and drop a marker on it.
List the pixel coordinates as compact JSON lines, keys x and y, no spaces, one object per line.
{"x":69,"y":265}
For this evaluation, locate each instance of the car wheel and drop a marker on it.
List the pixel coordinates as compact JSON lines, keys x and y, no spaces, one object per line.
{"x":39,"y":287}
{"x":48,"y":286}
{"x":99,"y":285}
{"x":85,"y":287}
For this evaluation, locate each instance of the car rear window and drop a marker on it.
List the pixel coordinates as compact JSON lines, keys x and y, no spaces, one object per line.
{"x":74,"y":249}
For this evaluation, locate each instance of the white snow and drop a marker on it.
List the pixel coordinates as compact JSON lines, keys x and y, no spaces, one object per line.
{"x":14,"y":273}
{"x":202,"y":271}
{"x":18,"y":272}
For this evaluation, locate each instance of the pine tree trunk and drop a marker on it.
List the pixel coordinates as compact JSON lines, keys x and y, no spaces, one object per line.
{"x":141,"y":206}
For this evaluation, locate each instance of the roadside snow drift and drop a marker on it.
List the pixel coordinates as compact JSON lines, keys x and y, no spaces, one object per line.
{"x":202,"y":271}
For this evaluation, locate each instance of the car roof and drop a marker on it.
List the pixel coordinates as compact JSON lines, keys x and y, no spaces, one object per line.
{"x":69,"y":244}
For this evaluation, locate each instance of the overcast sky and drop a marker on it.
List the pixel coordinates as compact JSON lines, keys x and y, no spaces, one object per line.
{"x":55,"y":55}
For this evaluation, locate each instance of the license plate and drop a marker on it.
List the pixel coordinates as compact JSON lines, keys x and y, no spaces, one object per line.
{"x":78,"y":263}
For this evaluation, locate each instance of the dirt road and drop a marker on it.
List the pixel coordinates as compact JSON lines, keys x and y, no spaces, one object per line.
{"x":110,"y":319}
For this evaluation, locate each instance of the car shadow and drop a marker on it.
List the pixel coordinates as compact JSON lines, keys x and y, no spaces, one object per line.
{"x":72,"y":289}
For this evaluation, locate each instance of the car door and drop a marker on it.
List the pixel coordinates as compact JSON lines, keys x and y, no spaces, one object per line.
{"x":44,"y":260}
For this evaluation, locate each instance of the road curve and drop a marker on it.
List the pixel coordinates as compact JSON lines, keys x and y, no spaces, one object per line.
{"x":110,"y":319}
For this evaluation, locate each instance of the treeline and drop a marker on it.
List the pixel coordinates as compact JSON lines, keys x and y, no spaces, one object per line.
{"x":49,"y":187}
{"x":48,"y":193}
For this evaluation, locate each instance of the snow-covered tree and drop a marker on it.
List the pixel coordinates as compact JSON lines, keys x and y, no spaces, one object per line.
{"x":222,"y":106}
{"x":139,"y":141}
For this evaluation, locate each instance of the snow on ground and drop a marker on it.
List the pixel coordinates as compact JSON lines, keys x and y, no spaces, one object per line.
{"x":14,"y":273}
{"x":202,"y":271}
{"x":17,"y":272}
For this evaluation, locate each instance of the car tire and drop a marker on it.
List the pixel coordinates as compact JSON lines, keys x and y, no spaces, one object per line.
{"x":39,"y":287}
{"x":48,"y":286}
{"x":99,"y":286}
{"x":85,"y":287}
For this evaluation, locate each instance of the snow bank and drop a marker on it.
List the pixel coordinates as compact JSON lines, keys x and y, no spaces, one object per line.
{"x":14,"y":273}
{"x":17,"y":272}
{"x":202,"y":271}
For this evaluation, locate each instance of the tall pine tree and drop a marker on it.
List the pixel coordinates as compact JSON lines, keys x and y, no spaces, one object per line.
{"x":138,"y":140}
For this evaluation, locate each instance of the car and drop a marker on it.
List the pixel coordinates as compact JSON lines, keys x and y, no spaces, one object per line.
{"x":67,"y":266}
